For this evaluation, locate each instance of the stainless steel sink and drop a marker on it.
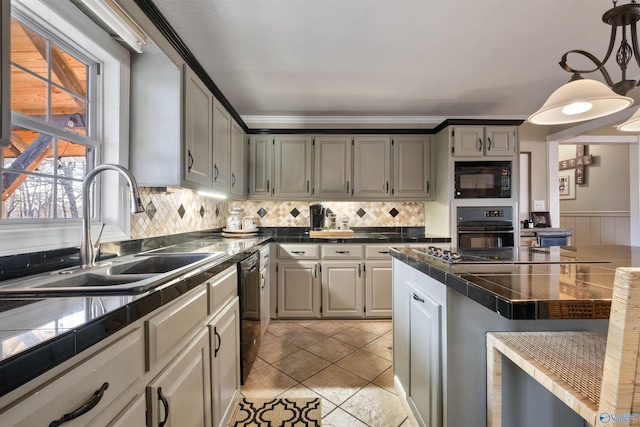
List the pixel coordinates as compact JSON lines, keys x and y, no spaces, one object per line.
{"x":125,"y":276}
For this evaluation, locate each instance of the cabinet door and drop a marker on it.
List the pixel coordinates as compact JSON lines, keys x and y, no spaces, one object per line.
{"x":181,"y":394}
{"x":411,"y":167}
{"x":238,"y":169}
{"x":298,"y":293}
{"x":265,"y":291}
{"x":425,"y":357}
{"x":468,"y":141}
{"x":342,"y":293}
{"x":292,"y":167}
{"x":500,"y":141}
{"x":221,"y":148}
{"x":198,"y":130}
{"x":378,"y":288}
{"x":260,"y":164}
{"x":225,"y":362}
{"x":371,"y":167}
{"x":402,"y":274}
{"x":332,"y":176}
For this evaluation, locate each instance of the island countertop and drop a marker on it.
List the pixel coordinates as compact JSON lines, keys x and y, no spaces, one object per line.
{"x":543,"y":283}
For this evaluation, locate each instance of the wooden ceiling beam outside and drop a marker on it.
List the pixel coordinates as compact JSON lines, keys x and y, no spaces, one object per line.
{"x":60,"y":66}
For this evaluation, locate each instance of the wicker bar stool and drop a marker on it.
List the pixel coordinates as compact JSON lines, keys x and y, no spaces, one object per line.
{"x":595,"y":376}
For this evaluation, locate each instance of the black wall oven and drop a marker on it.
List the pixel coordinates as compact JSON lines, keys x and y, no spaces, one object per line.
{"x":482,"y":179}
{"x":485,"y":227}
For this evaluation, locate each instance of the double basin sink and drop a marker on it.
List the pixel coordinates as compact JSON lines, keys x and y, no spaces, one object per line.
{"x":129,"y":275}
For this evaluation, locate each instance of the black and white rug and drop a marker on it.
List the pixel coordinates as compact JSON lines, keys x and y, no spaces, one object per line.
{"x":277,"y":413}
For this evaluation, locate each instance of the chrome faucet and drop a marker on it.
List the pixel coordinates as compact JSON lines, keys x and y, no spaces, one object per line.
{"x":87,"y":249}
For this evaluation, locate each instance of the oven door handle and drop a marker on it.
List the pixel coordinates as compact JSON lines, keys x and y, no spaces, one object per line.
{"x":484,"y":231}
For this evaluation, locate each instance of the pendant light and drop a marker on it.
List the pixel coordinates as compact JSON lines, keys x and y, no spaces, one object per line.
{"x":585,"y":99}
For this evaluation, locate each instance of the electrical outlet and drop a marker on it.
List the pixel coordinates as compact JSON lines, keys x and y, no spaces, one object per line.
{"x":538,"y":205}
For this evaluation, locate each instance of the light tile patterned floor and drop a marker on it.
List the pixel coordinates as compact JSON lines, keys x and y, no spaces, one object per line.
{"x":347,"y":363}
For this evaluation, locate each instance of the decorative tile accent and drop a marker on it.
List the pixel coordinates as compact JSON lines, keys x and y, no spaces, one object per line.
{"x":295,"y":212}
{"x":181,"y":210}
{"x":151,"y":210}
{"x":167,"y":219}
{"x":394,"y":212}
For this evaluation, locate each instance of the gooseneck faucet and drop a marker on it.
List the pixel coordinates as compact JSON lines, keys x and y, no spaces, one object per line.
{"x":88,"y":249}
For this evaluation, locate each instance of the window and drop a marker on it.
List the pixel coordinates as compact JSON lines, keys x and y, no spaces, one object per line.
{"x":51,"y":146}
{"x":73,"y":116}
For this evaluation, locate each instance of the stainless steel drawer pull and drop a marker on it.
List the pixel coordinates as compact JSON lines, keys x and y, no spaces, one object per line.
{"x":86,"y":407}
{"x":298,"y":252}
{"x":383,"y":252}
{"x":417,"y":298}
{"x":342,"y":252}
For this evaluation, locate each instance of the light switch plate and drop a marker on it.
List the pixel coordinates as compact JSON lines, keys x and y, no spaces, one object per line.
{"x":538,"y":205}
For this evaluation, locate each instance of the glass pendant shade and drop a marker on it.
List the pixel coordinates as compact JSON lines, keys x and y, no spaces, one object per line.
{"x":579,"y":100}
{"x":632,"y":124}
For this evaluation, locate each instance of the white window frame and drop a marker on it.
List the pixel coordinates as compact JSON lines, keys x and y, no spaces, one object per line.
{"x":111,"y":127}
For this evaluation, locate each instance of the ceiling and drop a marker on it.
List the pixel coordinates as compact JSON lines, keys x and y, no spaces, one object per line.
{"x":413,"y":61}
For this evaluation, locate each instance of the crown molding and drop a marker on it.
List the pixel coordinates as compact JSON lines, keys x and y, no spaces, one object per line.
{"x":377,"y":120}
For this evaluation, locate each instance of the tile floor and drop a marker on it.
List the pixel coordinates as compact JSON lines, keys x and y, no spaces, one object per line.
{"x":347,"y":363}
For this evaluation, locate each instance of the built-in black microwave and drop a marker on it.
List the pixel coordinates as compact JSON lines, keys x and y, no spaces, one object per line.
{"x":482,"y":179}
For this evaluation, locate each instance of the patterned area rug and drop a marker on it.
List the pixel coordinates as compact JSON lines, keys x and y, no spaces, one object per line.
{"x":277,"y":413}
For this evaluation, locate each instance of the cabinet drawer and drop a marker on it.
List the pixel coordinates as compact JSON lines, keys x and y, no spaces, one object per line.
{"x":379,"y":251}
{"x":180,"y":319}
{"x":222,"y":288}
{"x":298,"y":251}
{"x":342,"y":252}
{"x":120,"y":366}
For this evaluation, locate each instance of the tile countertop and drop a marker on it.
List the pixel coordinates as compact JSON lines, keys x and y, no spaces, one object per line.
{"x":38,"y":334}
{"x":558,"y":283}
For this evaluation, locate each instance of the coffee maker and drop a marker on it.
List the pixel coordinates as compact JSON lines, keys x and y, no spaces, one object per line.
{"x":316,"y":216}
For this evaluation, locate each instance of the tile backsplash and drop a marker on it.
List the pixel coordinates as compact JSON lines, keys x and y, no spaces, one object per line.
{"x":172,"y":211}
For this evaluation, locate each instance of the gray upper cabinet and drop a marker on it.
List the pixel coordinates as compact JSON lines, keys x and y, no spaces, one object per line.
{"x":5,"y":92}
{"x":221,"y":149}
{"x":292,"y":157}
{"x":198,"y":131}
{"x":156,"y":156}
{"x":372,"y":167}
{"x":238,"y":164}
{"x":478,"y":141}
{"x":260,"y":166}
{"x":332,"y":173}
{"x":412,"y":167}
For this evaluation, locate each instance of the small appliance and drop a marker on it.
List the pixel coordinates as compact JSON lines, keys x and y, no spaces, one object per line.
{"x":482,"y":179}
{"x":317,"y":214}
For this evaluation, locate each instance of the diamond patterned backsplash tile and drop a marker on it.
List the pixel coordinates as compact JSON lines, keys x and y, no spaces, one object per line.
{"x":181,"y":210}
{"x":198,"y":213}
{"x":360,"y":214}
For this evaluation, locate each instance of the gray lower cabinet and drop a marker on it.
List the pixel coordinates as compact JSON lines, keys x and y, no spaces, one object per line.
{"x":298,"y":289}
{"x":181,"y":394}
{"x":418,"y":313}
{"x":425,"y":357}
{"x":377,"y":288}
{"x":342,"y":291}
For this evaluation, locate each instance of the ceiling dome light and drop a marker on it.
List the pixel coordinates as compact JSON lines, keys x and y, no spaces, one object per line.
{"x":579,"y":100}
{"x":632,"y":124}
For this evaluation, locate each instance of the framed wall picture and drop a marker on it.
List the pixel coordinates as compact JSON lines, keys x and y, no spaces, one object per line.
{"x":567,"y":184}
{"x":541,"y":219}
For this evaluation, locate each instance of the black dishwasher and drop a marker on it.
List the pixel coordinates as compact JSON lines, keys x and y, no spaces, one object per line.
{"x":249,"y":292}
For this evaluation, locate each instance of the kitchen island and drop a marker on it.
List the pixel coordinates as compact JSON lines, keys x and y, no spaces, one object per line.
{"x":443,"y":310}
